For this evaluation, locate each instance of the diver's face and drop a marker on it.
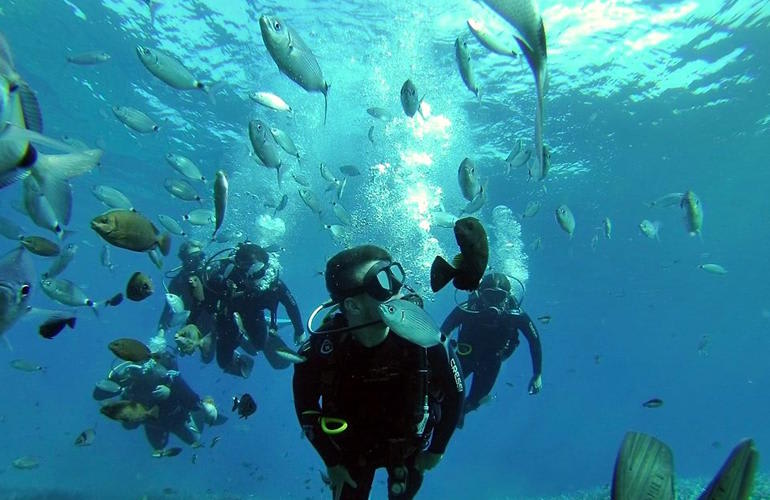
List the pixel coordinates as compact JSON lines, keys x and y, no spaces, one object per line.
{"x":362,"y":308}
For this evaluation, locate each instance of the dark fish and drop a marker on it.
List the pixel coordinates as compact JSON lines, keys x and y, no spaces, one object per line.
{"x":409,"y":100}
{"x":54,"y":325}
{"x":544,"y":319}
{"x":86,"y":438}
{"x":469,"y":265}
{"x":350,"y":170}
{"x":130,"y":230}
{"x":653,"y":403}
{"x":40,"y":246}
{"x":130,"y":350}
{"x":246,"y":406}
{"x":139,"y":287}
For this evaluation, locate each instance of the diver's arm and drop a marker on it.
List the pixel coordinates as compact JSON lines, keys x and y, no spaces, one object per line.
{"x":286,"y":298}
{"x":445,"y":372}
{"x":452,"y":321}
{"x":306,"y":386}
{"x":184,"y":394}
{"x":527,"y":327}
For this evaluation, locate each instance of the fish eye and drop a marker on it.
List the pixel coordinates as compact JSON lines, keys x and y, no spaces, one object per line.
{"x":391,"y":309}
{"x":13,"y":87}
{"x":25,"y":289}
{"x":277,"y":25}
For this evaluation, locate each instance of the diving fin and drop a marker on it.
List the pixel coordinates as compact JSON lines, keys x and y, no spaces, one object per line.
{"x":644,"y":469}
{"x":736,"y":477}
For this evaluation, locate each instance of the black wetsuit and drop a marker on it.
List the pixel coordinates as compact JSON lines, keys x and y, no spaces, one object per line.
{"x":222,"y":300}
{"x":380,"y":392}
{"x":173,"y":412}
{"x":486,"y":339}
{"x":180,"y":286}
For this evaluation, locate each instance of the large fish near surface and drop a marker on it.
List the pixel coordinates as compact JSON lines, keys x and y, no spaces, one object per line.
{"x":467,"y":268}
{"x":16,"y":276}
{"x":524,"y":15}
{"x":168,"y":69}
{"x":293,"y":57}
{"x":262,"y":142}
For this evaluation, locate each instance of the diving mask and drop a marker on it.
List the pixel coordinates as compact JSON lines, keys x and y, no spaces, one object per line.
{"x":381,"y":282}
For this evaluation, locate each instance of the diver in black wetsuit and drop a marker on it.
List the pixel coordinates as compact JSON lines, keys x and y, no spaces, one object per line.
{"x":246,"y":282}
{"x":192,"y":260}
{"x":366,"y":397}
{"x":490,"y":322}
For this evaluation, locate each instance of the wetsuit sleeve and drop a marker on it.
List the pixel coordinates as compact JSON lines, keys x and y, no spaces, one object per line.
{"x":306,"y":386}
{"x":527,"y":327}
{"x":452,"y":321}
{"x":183,"y":394}
{"x":446,"y":376}
{"x":286,"y":298}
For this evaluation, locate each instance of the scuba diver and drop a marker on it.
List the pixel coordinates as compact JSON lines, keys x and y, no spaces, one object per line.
{"x":156,"y":383}
{"x":237,"y":286}
{"x":489,"y":324}
{"x":365,"y":396}
{"x":192,"y":260}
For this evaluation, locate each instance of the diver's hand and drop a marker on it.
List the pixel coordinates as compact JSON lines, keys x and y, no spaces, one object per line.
{"x":535,"y":384}
{"x":161,"y":392}
{"x":338,"y":477}
{"x":427,"y":460}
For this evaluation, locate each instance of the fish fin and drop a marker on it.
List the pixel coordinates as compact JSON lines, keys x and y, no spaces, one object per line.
{"x":419,"y":107}
{"x":441,"y":273}
{"x":13,"y":175}
{"x":235,"y":403}
{"x":644,"y":468}
{"x":164,"y":243}
{"x":154,"y":412}
{"x":279,"y":174}
{"x":57,"y":190}
{"x":736,"y":476}
{"x":33,"y":118}
{"x":9,"y":131}
{"x":51,"y":329}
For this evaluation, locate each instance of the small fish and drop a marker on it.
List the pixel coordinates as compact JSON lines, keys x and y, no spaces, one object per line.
{"x":214,"y":441}
{"x":350,"y":170}
{"x":130,"y":230}
{"x":370,"y":134}
{"x":246,"y":406}
{"x":55,"y":323}
{"x":667,"y":200}
{"x":607,"y":225}
{"x":105,"y":258}
{"x":112,"y":197}
{"x":171,"y":225}
{"x":40,"y":209}
{"x":185,"y":166}
{"x":89,"y":58}
{"x":221,"y":188}
{"x":86,"y":438}
{"x":533,"y":207}
{"x":443,"y":219}
{"x":181,"y":189}
{"x":26,"y":366}
{"x":139,"y":287}
{"x":311,"y":200}
{"x":271,"y":101}
{"x":468,"y":266}
{"x":293,"y":57}
{"x":411,"y":322}
{"x":168,"y":69}
{"x":130,"y":350}
{"x":653,"y":403}
{"x":135,"y":119}
{"x":544,"y":319}
{"x":326,"y":173}
{"x":40,"y":246}
{"x":650,"y":229}
{"x":476,"y":203}
{"x":196,"y":288}
{"x":488,"y":40}
{"x":264,"y":148}
{"x":194,"y":458}
{"x":281,"y":204}
{"x":128,"y":411}
{"x":342,"y":214}
{"x":200,"y":217}
{"x":518,"y":156}
{"x":167,"y":452}
{"x":565,"y":219}
{"x":463,"y":56}
{"x":380,"y":113}
{"x":337,"y":231}
{"x":468,"y":180}
{"x":713,"y":268}
{"x":109,"y":387}
{"x":283,"y":140}
{"x":290,"y":356}
{"x":693,"y":212}
{"x":26,"y":463}
{"x":66,"y":292}
{"x":409,"y":100}
{"x":537,"y":243}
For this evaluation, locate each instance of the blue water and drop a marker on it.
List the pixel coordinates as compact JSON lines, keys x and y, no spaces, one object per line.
{"x":645,"y":98}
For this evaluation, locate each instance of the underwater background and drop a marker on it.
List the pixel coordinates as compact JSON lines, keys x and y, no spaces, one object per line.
{"x":645,"y":98}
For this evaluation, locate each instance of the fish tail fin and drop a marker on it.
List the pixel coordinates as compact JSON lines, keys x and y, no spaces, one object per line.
{"x":441,"y":273}
{"x":419,"y":107}
{"x":279,"y":174}
{"x":326,"y":99}
{"x":154,"y":412}
{"x":165,"y":243}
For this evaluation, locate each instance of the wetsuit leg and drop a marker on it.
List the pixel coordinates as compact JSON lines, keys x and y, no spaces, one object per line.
{"x":404,"y":488}
{"x":363,"y":475}
{"x":226,"y":345}
{"x":187,"y":431}
{"x":483,"y":380}
{"x":258,"y":331}
{"x":157,"y":435}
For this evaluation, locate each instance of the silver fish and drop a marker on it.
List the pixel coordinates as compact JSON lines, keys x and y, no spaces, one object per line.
{"x":607,"y":226}
{"x":311,"y":200}
{"x":89,"y":58}
{"x":66,"y":292}
{"x":24,"y":365}
{"x":168,"y":69}
{"x":650,"y":229}
{"x":185,"y":166}
{"x":293,"y":57}
{"x":463,"y":56}
{"x":171,"y":225}
{"x":468,"y":180}
{"x":65,"y":257}
{"x":693,"y":212}
{"x":220,"y":200}
{"x":410,"y":102}
{"x":533,"y":207}
{"x":39,"y":208}
{"x":271,"y":101}
{"x":488,"y":40}
{"x":565,"y":219}
{"x":135,"y":119}
{"x":342,"y":214}
{"x":476,"y":203}
{"x":410,"y":321}
{"x":326,"y":173}
{"x":380,"y":113}
{"x":111,"y":197}
{"x":174,"y":314}
{"x":300,"y":179}
{"x":10,"y":229}
{"x":283,"y":140}
{"x":443,"y":219}
{"x":337,"y":231}
{"x":713,"y":268}
{"x":86,"y":438}
{"x":180,"y":188}
{"x":264,"y":147}
{"x":16,"y":275}
{"x":105,"y":258}
{"x":281,"y":204}
{"x":667,"y":200}
{"x":200,"y":217}
{"x":525,"y":17}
